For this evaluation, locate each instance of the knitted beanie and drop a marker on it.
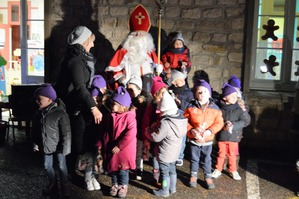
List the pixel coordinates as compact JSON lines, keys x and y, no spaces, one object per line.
{"x":201,"y":82}
{"x":179,"y":36}
{"x":175,"y":75}
{"x":234,"y":81}
{"x":157,"y":85}
{"x":121,"y":96}
{"x":227,"y":90}
{"x":136,"y":80}
{"x":46,"y":90}
{"x":168,"y":105}
{"x":97,"y":83}
{"x":79,"y":35}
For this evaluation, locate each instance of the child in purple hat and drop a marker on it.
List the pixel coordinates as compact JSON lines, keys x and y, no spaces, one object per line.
{"x":204,"y":122}
{"x":120,"y":141}
{"x":51,"y":133}
{"x":235,"y":119}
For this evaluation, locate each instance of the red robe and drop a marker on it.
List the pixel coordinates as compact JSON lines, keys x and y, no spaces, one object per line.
{"x":119,"y":66}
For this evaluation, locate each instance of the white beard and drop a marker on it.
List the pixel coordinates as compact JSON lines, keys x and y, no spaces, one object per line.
{"x":138,"y":44}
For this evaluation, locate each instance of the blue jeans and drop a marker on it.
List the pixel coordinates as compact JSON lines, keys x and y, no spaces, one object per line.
{"x":48,"y":164}
{"x":167,"y":169}
{"x":181,"y":156}
{"x":201,"y":154}
{"x":120,"y":177}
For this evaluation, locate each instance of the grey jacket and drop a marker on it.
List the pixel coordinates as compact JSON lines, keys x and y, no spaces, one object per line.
{"x":169,"y":136}
{"x":51,"y":129}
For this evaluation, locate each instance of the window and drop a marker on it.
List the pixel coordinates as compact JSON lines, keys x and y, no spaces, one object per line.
{"x":35,"y":40}
{"x":275,"y":45}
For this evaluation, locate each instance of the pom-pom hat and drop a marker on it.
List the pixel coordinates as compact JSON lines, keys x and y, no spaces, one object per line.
{"x":46,"y":90}
{"x":234,"y":81}
{"x":227,"y":90}
{"x":121,"y":96}
{"x":139,"y":19}
{"x":157,"y":85}
{"x":201,"y":82}
{"x":79,"y":35}
{"x":168,"y":105}
{"x":136,"y":80}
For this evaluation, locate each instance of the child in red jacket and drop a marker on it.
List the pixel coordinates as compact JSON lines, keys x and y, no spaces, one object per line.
{"x":177,"y":57}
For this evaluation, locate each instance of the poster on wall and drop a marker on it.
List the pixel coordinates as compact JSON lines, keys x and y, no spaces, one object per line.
{"x":36,"y":62}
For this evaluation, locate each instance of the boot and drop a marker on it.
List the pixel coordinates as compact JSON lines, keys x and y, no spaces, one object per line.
{"x":156,"y":176}
{"x":172,"y":186}
{"x":164,"y":191}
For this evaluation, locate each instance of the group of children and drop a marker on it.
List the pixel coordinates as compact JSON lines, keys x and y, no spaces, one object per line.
{"x":138,"y":125}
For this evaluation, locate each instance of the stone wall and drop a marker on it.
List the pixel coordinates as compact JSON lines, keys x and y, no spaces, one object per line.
{"x":214,"y":30}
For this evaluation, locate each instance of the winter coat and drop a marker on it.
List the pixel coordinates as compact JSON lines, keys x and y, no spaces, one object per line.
{"x":196,"y":115}
{"x":239,"y":119}
{"x":51,"y":129}
{"x":120,"y":130}
{"x":169,"y":135}
{"x":184,"y":94}
{"x":74,"y":79}
{"x":175,"y":57}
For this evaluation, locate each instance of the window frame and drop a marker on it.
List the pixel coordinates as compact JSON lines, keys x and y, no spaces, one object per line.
{"x":285,"y":83}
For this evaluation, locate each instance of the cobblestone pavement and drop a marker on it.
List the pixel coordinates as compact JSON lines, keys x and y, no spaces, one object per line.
{"x":266,"y":175}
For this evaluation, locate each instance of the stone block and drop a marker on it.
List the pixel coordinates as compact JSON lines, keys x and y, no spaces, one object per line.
{"x":236,"y":37}
{"x":191,"y":13}
{"x":172,"y":12}
{"x":212,"y":13}
{"x":201,"y":37}
{"x":211,"y":26}
{"x":227,"y":2}
{"x":187,"y":25}
{"x":235,"y":12}
{"x":119,"y":11}
{"x":185,"y":2}
{"x":204,"y":3}
{"x":215,"y":48}
{"x":222,"y":38}
{"x":235,"y":57}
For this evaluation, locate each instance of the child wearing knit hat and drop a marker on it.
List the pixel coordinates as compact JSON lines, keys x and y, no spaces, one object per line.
{"x":168,"y":135}
{"x":51,"y":135}
{"x":182,"y":96}
{"x":140,"y":100}
{"x":236,"y":83}
{"x":177,"y":57}
{"x":152,"y":118}
{"x":235,"y":119}
{"x":204,"y":122}
{"x":120,"y":141}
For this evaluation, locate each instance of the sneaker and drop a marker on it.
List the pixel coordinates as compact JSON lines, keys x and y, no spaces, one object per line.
{"x":193,"y":181}
{"x":179,"y":162}
{"x":49,"y":189}
{"x":122,"y":191}
{"x":210,"y":184}
{"x":114,"y":190}
{"x":89,"y":185}
{"x":236,"y":175}
{"x":95,"y":184}
{"x":139,"y":174}
{"x":216,"y":173}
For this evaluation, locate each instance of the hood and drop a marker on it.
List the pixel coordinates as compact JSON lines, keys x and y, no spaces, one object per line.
{"x":178,"y":124}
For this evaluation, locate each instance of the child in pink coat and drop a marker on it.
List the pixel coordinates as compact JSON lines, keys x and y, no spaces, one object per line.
{"x":120,"y":141}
